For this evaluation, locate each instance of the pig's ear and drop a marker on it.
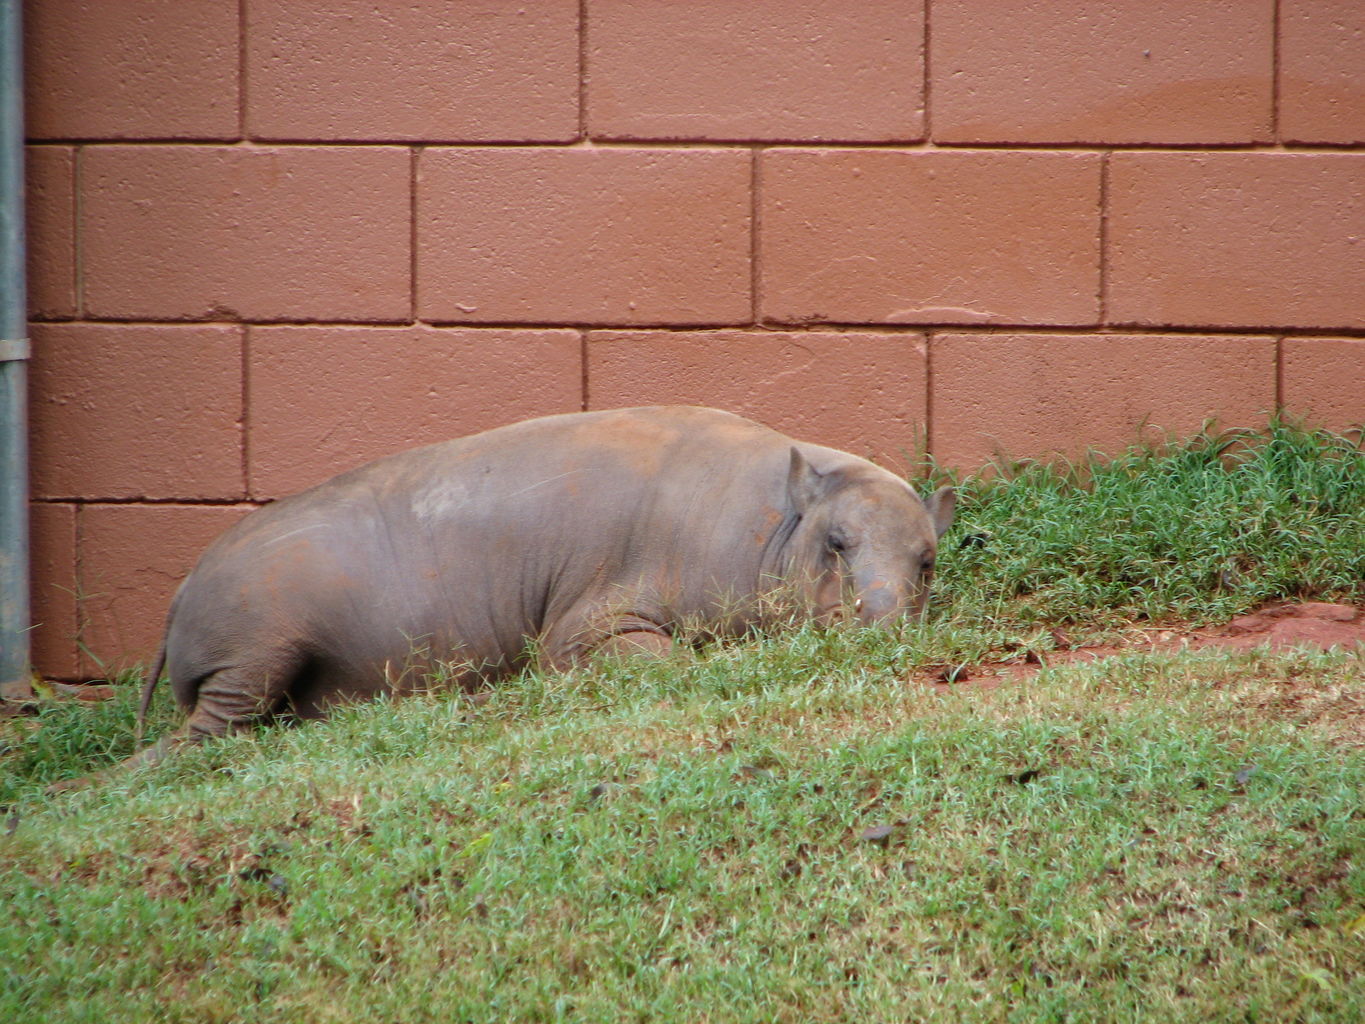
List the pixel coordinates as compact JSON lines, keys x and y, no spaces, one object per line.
{"x":940,"y":506}
{"x":804,"y":483}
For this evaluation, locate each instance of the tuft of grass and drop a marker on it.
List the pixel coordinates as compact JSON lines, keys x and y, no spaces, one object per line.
{"x":1195,"y":532}
{"x":63,"y":739}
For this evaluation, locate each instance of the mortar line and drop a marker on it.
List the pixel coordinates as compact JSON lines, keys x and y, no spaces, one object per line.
{"x":927,"y":125}
{"x":583,"y":369}
{"x":413,"y":154}
{"x":922,"y":146}
{"x":582,"y":71}
{"x":77,"y":235}
{"x":1103,"y":296}
{"x":1279,"y":375}
{"x":89,"y":500}
{"x":1275,"y":73}
{"x":245,"y":339}
{"x":78,"y":577}
{"x":825,"y":327}
{"x":930,"y":338}
{"x":241,"y":70}
{"x":755,"y":237}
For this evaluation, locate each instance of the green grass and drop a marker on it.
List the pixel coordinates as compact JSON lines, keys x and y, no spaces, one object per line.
{"x":1151,"y":837}
{"x":683,"y":843}
{"x":1196,"y":532}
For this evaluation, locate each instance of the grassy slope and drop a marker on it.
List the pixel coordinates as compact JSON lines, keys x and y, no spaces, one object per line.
{"x":1198,"y":533}
{"x":1150,"y":838}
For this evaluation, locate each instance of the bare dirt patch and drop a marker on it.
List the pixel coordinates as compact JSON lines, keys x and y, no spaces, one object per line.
{"x":1312,"y":625}
{"x":1332,"y":705}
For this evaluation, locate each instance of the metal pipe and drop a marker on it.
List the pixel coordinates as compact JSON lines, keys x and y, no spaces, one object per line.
{"x":15,"y":670}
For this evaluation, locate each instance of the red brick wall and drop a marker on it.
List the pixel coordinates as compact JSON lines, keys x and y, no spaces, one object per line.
{"x":274,"y":238}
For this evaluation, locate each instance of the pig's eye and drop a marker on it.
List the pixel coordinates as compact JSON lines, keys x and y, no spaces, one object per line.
{"x":837,"y":543}
{"x":927,"y":566}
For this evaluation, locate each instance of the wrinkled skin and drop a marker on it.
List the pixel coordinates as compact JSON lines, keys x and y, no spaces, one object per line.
{"x":604,"y":531}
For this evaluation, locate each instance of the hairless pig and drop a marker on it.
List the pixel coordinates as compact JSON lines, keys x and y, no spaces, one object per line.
{"x":554,"y":538}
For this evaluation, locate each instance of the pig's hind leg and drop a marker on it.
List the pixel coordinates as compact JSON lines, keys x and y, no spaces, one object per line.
{"x":229,"y":699}
{"x":225,"y":700}
{"x":238,"y":696}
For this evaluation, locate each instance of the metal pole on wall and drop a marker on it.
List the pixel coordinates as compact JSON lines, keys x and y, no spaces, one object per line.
{"x":14,"y":559}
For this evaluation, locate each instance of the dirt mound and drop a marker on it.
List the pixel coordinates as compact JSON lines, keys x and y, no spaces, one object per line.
{"x":1294,"y":625}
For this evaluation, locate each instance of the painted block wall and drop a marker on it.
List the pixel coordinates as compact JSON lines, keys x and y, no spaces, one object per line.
{"x":271,"y":239}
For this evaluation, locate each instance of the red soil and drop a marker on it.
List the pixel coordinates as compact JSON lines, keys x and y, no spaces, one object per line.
{"x":1313,"y":625}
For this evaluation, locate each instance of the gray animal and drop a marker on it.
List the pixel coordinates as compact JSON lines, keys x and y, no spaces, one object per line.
{"x":567,"y":535}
